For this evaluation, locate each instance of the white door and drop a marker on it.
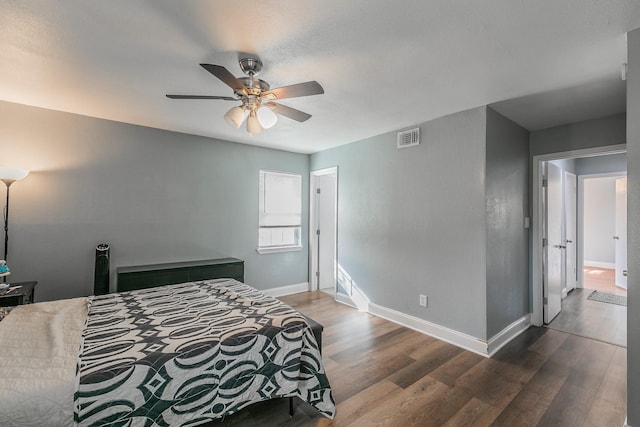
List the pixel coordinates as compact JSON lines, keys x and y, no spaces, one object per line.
{"x":326,"y":231}
{"x":621,"y":232}
{"x":570,"y":229}
{"x":323,"y":221}
{"x":554,"y":249}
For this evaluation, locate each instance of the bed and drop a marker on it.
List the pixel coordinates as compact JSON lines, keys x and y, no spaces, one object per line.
{"x":180,"y":354}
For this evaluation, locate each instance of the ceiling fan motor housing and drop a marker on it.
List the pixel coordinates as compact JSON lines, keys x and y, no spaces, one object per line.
{"x":250,"y":66}
{"x":254,"y":86}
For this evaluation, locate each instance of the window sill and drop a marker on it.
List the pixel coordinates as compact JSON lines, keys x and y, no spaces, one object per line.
{"x":277,"y":249}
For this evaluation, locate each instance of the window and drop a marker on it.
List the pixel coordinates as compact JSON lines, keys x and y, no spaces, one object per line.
{"x":280,"y":220}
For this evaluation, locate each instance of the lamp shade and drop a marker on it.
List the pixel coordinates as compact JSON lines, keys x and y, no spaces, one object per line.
{"x":267,"y":117}
{"x":12,"y":174}
{"x":253,"y":124}
{"x":235,"y":116}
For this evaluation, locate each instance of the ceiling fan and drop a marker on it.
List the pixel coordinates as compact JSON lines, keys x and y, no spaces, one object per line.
{"x":258,"y":106}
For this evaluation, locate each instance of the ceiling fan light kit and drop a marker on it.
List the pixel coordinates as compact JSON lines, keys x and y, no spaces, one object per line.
{"x":235,"y":116}
{"x":267,"y":117}
{"x":253,"y":124}
{"x":252,"y":91}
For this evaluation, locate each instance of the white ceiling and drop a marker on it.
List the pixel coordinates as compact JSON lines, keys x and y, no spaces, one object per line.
{"x":384,"y":65}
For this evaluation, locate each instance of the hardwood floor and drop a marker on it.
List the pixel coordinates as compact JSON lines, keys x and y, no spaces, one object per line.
{"x":601,"y":279}
{"x":593,"y":319}
{"x":383,"y":374}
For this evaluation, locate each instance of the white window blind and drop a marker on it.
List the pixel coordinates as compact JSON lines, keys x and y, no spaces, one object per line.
{"x":280,"y":216}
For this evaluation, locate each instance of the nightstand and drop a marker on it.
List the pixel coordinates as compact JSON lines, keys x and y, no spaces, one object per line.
{"x":22,"y":295}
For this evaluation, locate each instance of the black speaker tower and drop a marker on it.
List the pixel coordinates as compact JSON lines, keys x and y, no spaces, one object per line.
{"x":101,"y":277}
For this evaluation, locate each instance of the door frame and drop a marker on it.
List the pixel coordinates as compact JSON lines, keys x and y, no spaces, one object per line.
{"x":313,"y":247}
{"x":537,"y":215}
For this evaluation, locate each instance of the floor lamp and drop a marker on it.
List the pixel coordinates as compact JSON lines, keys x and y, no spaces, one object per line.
{"x":9,"y":175}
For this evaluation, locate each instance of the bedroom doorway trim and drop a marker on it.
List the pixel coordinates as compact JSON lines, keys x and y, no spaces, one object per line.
{"x":330,"y":227}
{"x":538,"y":215}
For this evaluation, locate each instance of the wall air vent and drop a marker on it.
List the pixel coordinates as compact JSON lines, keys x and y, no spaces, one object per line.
{"x":409,"y":138}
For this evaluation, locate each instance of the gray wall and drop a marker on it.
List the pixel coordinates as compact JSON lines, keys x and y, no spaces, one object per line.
{"x":412,"y":221}
{"x":445,"y":219}
{"x":602,"y":164}
{"x":578,"y":136}
{"x":633,"y":209}
{"x":507,"y":201}
{"x":155,"y":196}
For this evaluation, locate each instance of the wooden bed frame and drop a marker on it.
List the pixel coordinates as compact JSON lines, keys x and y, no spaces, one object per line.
{"x":149,"y":276}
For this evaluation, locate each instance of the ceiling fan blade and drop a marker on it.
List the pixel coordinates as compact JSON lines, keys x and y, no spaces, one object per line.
{"x":289,"y":112}
{"x":300,"y":89}
{"x":225,"y":98}
{"x":224,"y":75}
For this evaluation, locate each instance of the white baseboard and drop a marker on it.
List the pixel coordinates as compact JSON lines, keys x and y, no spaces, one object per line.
{"x":468,"y":342}
{"x":598,"y":264}
{"x":287,"y":290}
{"x":360,"y":301}
{"x":503,"y":337}
{"x":442,"y":333}
{"x":346,"y":300}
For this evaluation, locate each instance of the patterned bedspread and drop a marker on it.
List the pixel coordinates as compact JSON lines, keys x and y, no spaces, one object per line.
{"x":190,"y":353}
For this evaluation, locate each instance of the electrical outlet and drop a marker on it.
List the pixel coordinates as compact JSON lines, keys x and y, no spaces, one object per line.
{"x":423,"y":300}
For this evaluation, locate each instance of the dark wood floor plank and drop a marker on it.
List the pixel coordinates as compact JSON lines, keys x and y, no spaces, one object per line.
{"x":523,"y":367}
{"x":588,"y":371}
{"x":364,"y":402}
{"x":428,"y":348}
{"x":609,"y":404}
{"x":359,"y":349}
{"x":579,"y":400}
{"x":352,"y":336}
{"x":571,"y":350}
{"x":605,"y":413}
{"x":424,"y":366}
{"x":614,"y":386}
{"x":409,"y":343}
{"x":440,"y":406}
{"x":521,"y":344}
{"x":417,"y":405}
{"x":475,"y":413}
{"x":530,"y":404}
{"x":486,"y":381}
{"x":369,"y":371}
{"x":548,"y":343}
{"x":453,"y":369}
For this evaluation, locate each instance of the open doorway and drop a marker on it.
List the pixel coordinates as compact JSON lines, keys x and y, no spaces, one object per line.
{"x":323,"y":229}
{"x":594,"y":309}
{"x":604,"y":231}
{"x":553,"y":275}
